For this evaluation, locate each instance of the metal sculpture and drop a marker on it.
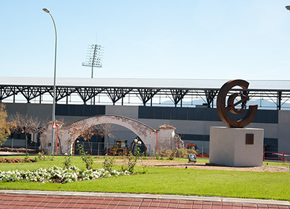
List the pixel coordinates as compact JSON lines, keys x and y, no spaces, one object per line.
{"x":223,"y":110}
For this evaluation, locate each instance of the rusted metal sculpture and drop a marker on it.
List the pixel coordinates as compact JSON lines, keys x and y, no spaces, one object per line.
{"x":223,"y":110}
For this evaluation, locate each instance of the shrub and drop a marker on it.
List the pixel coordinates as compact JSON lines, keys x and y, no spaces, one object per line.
{"x":29,"y":160}
{"x":67,"y":161}
{"x":182,"y":152}
{"x":108,"y":163}
{"x":132,"y":163}
{"x":87,"y":159}
{"x":171,"y":154}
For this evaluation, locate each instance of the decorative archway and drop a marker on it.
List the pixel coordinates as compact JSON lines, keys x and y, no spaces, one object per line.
{"x":163,"y":138}
{"x":146,"y":133}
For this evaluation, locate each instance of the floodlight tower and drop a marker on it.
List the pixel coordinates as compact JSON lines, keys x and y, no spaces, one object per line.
{"x":94,"y":57}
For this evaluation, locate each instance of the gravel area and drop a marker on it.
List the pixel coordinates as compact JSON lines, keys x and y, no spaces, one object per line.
{"x":185,"y":165}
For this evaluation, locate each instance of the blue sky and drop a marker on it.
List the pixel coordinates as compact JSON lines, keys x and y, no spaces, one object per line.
{"x":194,"y":39}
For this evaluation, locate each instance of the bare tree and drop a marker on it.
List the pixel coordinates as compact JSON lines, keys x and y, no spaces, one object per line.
{"x":27,"y":125}
{"x":105,"y":130}
{"x":83,"y":130}
{"x":87,"y":132}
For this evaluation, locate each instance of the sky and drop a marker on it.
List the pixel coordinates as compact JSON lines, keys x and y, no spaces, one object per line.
{"x":179,"y":39}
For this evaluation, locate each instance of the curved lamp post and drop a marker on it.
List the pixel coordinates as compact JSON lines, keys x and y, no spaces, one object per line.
{"x":54,"y":83}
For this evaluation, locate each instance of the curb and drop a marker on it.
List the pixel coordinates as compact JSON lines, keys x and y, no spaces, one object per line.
{"x":148,"y":196}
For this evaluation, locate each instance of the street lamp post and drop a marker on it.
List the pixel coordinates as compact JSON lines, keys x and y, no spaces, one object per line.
{"x":54,"y":83}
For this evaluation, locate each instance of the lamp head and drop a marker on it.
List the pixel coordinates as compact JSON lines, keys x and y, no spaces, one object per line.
{"x":46,"y":10}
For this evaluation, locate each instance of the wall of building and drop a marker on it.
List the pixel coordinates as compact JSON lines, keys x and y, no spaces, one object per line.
{"x":42,"y":111}
{"x":192,"y":124}
{"x":284,"y":131}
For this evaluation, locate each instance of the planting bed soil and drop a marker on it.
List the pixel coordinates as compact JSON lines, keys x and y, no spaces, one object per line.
{"x":197,"y":165}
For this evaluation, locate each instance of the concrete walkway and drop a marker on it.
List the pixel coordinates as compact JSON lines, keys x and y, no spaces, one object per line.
{"x":48,"y":199}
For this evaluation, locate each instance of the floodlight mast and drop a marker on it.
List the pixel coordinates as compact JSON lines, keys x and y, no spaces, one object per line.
{"x":94,"y":57}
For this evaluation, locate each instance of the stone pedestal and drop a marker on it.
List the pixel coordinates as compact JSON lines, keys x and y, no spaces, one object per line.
{"x":236,"y":146}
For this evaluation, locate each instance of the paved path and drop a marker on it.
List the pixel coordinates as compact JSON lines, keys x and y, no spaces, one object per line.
{"x":46,"y":199}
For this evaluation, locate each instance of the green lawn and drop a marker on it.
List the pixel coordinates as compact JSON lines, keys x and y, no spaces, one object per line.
{"x":243,"y":184}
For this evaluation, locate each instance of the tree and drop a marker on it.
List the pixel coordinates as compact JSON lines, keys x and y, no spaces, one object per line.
{"x":27,"y":125}
{"x":83,"y":130}
{"x":105,"y":130}
{"x":87,"y":132}
{"x":5,"y":126}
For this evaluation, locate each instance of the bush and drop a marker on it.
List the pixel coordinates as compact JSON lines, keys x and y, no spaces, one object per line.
{"x":87,"y":159}
{"x":67,"y":161}
{"x":170,"y":154}
{"x":182,"y":152}
{"x":132,"y":163}
{"x":108,"y":164}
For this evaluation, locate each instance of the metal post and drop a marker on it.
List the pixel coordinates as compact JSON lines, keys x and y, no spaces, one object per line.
{"x":56,"y":139}
{"x":263,"y":156}
{"x":156,"y":132}
{"x":54,"y":81}
{"x":279,"y":98}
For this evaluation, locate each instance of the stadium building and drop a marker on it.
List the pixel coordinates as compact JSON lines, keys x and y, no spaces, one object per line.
{"x":189,"y":105}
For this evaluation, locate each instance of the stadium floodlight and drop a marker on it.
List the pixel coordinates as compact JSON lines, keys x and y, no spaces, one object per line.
{"x":94,"y":57}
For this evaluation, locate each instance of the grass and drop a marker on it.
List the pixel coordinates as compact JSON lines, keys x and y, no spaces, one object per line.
{"x":238,"y":184}
{"x":58,"y":161}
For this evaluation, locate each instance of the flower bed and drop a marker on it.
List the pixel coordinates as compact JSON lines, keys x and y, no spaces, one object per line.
{"x":58,"y":175}
{"x":124,"y":157}
{"x":16,"y":160}
{"x":11,"y":160}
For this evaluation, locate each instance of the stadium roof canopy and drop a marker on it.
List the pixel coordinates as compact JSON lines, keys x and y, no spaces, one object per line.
{"x":142,"y":83}
{"x":144,"y":89}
